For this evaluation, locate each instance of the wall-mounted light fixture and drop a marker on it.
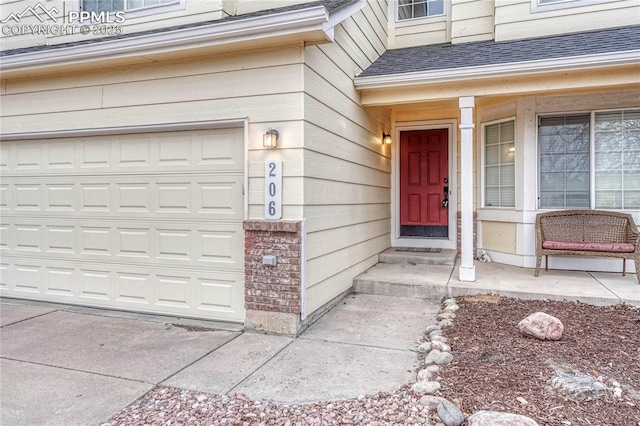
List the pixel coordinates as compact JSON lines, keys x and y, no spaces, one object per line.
{"x":386,"y":138}
{"x":270,"y":139}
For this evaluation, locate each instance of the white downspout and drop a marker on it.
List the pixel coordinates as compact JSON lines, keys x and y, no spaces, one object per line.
{"x":467,"y":268}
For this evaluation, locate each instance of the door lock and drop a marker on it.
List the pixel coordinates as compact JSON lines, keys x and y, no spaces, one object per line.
{"x":445,"y":202}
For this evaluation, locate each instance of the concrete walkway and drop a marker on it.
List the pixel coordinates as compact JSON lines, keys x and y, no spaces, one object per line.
{"x":65,"y":365}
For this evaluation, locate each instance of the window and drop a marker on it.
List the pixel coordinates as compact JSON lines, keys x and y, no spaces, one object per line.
{"x":581,"y":168}
{"x":549,"y":5}
{"x":564,"y":161}
{"x":499,"y":164}
{"x":617,"y":160}
{"x":116,"y":5}
{"x":410,"y":9}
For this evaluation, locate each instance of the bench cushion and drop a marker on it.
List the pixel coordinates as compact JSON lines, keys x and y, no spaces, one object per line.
{"x":589,"y":246}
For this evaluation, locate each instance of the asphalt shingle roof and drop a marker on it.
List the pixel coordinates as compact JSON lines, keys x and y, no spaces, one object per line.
{"x":451,"y":56}
{"x":330,"y":5}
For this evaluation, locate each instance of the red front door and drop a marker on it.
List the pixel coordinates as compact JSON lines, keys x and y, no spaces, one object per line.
{"x":424,"y":182}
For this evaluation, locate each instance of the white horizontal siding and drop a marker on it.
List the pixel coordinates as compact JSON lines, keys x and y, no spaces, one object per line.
{"x":263,"y":86}
{"x":419,"y":34}
{"x":472,"y":20}
{"x":514,"y":19}
{"x":152,"y":18}
{"x":347,"y":170}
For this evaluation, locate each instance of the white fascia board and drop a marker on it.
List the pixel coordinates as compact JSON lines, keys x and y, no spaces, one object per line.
{"x":285,"y":23}
{"x":574,"y":63}
{"x":343,"y":14}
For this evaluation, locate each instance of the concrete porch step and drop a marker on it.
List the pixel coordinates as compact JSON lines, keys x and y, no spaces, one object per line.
{"x":412,"y":256}
{"x":419,"y":281}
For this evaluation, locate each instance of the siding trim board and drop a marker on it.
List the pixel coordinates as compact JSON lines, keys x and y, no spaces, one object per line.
{"x":122,"y":130}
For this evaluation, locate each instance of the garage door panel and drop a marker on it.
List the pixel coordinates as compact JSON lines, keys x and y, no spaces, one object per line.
{"x":161,"y":290}
{"x":183,"y":196}
{"x":149,"y":222}
{"x":211,"y":245}
{"x":219,"y":151}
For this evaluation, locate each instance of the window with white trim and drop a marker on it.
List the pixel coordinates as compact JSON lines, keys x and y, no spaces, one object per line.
{"x":590,"y":160}
{"x":411,"y":9}
{"x":499,"y":164}
{"x":117,"y":5}
{"x":549,"y":5}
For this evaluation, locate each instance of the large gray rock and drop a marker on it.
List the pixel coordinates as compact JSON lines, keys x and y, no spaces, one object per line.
{"x":449,"y":413}
{"x":541,"y":326}
{"x":497,"y":418}
{"x":438,"y":358}
{"x":579,"y":385}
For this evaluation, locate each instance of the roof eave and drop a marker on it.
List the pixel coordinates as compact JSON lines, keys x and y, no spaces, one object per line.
{"x":574,"y":63}
{"x":313,"y":23}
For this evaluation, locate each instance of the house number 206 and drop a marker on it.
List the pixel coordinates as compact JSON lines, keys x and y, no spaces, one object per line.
{"x":273,"y":189}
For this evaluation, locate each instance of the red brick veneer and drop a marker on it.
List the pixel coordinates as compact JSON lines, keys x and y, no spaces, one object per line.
{"x":272,"y":288}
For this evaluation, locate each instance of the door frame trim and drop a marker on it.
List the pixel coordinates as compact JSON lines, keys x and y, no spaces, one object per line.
{"x":452,"y":131}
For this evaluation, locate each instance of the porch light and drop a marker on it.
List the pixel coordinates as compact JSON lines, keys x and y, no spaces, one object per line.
{"x":270,"y":139}
{"x":386,"y":138}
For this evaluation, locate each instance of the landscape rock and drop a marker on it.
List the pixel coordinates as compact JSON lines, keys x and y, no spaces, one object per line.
{"x":441,"y":346}
{"x":425,"y":387}
{"x":449,"y":413}
{"x":438,"y":358}
{"x":451,"y":308}
{"x":497,"y":418}
{"x":445,"y":323}
{"x":439,"y":339}
{"x":431,"y":328}
{"x":578,"y":384}
{"x":446,"y":315}
{"x":431,"y":401}
{"x":427,"y":373}
{"x":424,"y":347}
{"x":541,"y":326}
{"x":435,"y":333}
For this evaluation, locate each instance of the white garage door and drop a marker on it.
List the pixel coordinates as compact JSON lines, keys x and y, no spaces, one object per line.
{"x":148,"y":222}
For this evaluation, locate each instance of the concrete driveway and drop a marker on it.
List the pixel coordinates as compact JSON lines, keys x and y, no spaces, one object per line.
{"x":62,"y":365}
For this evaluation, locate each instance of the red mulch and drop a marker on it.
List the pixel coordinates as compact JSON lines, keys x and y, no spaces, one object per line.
{"x":494,"y":363}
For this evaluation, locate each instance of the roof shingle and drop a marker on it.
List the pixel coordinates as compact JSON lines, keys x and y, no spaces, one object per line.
{"x":451,"y":56}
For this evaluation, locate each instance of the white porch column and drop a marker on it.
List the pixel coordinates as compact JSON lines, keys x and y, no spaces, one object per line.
{"x":467,"y":269}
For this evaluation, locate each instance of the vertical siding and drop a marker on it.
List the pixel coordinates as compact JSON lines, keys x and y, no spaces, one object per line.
{"x":515,"y":20}
{"x":471,"y":20}
{"x":346,"y":168}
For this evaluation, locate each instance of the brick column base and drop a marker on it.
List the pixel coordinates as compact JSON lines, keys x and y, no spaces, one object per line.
{"x":272,"y":294}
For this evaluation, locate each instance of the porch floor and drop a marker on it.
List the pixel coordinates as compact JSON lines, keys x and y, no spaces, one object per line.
{"x":436,"y":281}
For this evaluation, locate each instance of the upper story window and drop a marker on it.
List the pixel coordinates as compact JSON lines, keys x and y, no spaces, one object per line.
{"x":411,"y":9}
{"x":117,"y":5}
{"x":548,"y":5}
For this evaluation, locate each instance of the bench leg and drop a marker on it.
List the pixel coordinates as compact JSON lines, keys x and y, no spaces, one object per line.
{"x":624,"y":267}
{"x":538,"y":262}
{"x":546,"y":263}
{"x":638,"y":269}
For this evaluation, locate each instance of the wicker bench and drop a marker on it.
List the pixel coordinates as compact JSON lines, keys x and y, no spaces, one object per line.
{"x":588,"y":233}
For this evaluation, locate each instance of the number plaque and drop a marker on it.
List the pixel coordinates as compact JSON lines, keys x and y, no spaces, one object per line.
{"x":273,"y":189}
